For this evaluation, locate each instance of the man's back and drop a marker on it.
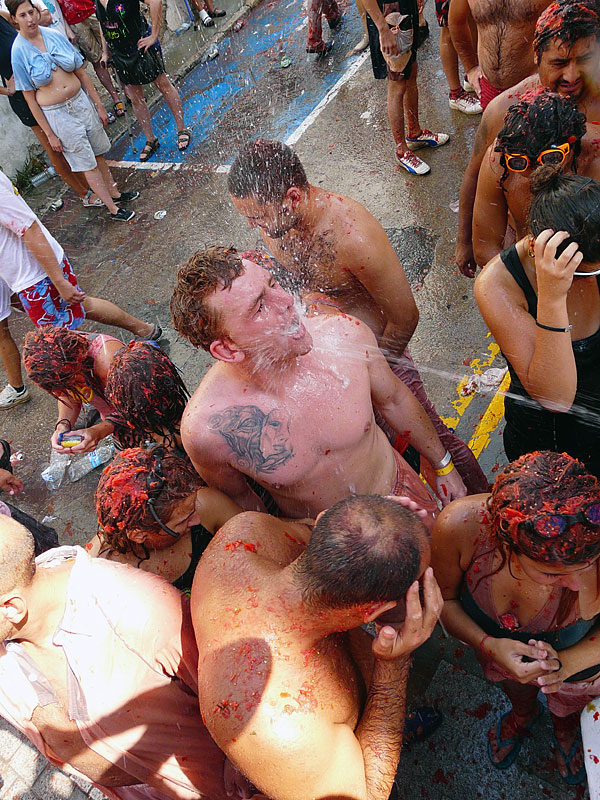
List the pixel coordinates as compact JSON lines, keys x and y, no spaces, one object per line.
{"x":268,"y":691}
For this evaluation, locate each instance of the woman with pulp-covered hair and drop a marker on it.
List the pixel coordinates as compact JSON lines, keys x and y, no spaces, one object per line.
{"x":519,"y":572}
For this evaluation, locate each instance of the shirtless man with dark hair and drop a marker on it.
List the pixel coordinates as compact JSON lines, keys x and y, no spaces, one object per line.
{"x":567,"y":56}
{"x":290,"y":401}
{"x":301,"y":699}
{"x":504,"y":45}
{"x":342,"y":257}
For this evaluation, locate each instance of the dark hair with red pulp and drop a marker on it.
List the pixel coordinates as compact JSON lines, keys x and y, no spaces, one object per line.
{"x":56,"y":358}
{"x":147,"y":393}
{"x":567,"y":22}
{"x":122,"y":494}
{"x":538,"y":121}
{"x":265,"y":169}
{"x":543,"y":483}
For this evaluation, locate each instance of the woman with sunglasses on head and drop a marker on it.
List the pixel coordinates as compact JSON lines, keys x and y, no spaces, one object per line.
{"x":156,"y":513}
{"x":541,"y":301}
{"x":519,"y":573}
{"x":543,"y":128}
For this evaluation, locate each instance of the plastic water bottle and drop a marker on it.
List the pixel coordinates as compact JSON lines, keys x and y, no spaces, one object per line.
{"x":53,"y":474}
{"x":90,"y":461}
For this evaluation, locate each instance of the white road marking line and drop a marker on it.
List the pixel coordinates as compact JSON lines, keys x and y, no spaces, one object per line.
{"x":308,"y":121}
{"x":163,"y":166}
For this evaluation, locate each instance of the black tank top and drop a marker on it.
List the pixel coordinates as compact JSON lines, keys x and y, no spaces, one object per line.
{"x":529,"y":426}
{"x":200,"y":539}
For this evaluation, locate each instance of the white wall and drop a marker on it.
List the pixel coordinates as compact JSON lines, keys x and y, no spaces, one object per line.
{"x":15,"y":139}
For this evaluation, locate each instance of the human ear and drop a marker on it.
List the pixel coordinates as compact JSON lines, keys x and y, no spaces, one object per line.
{"x":374,"y":610}
{"x":292,"y":198}
{"x":137,"y":536}
{"x":14,"y":609}
{"x":226,"y":350}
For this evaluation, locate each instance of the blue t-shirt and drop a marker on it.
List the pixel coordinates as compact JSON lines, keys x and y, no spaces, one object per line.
{"x":33,"y":69}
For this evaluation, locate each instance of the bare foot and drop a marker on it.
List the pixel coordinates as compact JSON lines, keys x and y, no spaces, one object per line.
{"x":566,"y":732}
{"x":512,"y":726}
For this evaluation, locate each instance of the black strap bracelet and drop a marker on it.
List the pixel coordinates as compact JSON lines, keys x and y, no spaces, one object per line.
{"x":64,"y":419}
{"x":552,"y":328}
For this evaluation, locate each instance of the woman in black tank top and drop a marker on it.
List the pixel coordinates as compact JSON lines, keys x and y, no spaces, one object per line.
{"x":156,"y":513}
{"x":541,"y":300}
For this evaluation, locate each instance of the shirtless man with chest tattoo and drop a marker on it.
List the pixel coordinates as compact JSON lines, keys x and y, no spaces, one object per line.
{"x":504,"y":48}
{"x":301,"y":699}
{"x":98,"y":669}
{"x":343,"y":258}
{"x":567,"y":55}
{"x":290,"y":401}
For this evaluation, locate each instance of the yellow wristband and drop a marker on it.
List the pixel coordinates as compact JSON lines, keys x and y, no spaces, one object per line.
{"x":444,"y":470}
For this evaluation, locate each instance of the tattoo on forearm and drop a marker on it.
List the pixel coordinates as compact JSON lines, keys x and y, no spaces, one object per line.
{"x":260,"y":441}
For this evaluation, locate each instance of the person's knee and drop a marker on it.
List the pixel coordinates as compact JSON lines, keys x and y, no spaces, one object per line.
{"x":396,"y":88}
{"x":5,"y":334}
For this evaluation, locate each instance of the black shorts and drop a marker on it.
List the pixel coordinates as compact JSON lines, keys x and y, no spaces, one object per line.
{"x":21,"y":109}
{"x":380,"y":67}
{"x":442,"y":8}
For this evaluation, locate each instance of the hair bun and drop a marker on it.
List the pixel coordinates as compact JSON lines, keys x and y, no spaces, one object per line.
{"x":544,"y":178}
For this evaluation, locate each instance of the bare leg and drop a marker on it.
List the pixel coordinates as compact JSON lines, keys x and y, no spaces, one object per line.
{"x":172,"y":99}
{"x":141,"y":110}
{"x":108,"y":178}
{"x":364,"y":42}
{"x":411,"y":105}
{"x":95,"y":178}
{"x":395,"y":108}
{"x":524,"y":708}
{"x":9,"y":355}
{"x":73,"y":179}
{"x":106,"y":81}
{"x":449,"y":59}
{"x":108,"y":313}
{"x":314,"y":40}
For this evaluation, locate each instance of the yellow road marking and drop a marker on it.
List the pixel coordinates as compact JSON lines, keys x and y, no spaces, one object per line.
{"x":478,"y":365}
{"x":490,"y":420}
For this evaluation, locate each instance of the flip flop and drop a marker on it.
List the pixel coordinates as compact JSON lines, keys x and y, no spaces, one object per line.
{"x":572,"y":779}
{"x":184,"y":137}
{"x":111,"y":117}
{"x":421,"y":723}
{"x":119,"y":109}
{"x":515,"y":741}
{"x":5,"y":457}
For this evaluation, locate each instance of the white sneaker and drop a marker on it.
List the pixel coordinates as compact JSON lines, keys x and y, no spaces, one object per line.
{"x":467,"y":86}
{"x":467,"y":103}
{"x":10,"y":397}
{"x":412,"y":163}
{"x":426,"y":139}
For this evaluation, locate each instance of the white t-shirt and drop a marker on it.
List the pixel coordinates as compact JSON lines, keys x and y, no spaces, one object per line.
{"x":58,"y":20}
{"x":18,"y":266}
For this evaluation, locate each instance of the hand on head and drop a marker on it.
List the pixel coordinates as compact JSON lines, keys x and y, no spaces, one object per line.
{"x":397,"y":641}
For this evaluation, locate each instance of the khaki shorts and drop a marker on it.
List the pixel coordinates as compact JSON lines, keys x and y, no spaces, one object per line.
{"x":88,"y":38}
{"x":77,"y":125}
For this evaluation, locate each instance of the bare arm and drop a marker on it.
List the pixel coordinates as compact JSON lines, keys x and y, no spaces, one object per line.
{"x":406,"y":415}
{"x":486,"y":133}
{"x":218,"y":474}
{"x":39,"y":247}
{"x":40,"y":118}
{"x":543,"y":360}
{"x":490,"y":213}
{"x":45,"y":16}
{"x":458,"y":22}
{"x":90,"y":90}
{"x":156,"y":17}
{"x":387,"y":41}
{"x":372,"y":260}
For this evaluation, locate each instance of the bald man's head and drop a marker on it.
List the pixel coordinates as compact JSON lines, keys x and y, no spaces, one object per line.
{"x":17,"y":555}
